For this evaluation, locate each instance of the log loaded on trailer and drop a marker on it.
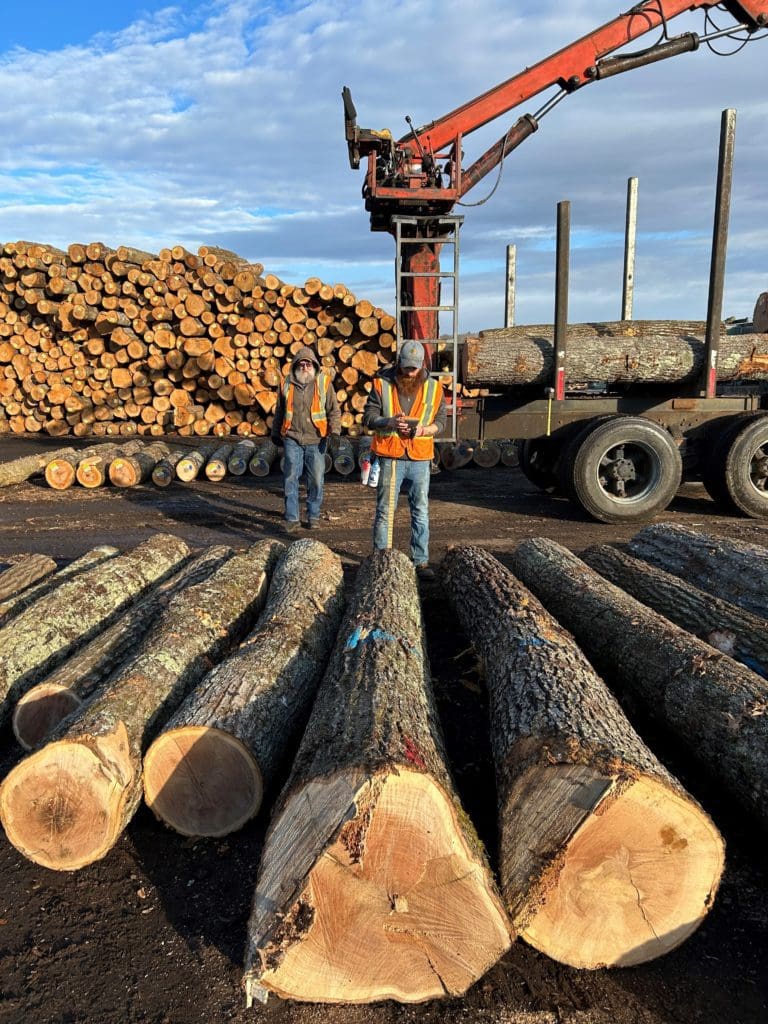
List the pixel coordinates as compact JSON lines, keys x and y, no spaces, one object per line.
{"x":617,"y":446}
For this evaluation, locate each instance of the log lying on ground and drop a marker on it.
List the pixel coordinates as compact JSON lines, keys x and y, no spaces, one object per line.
{"x":92,"y":470}
{"x":730,"y":569}
{"x":486,"y":454}
{"x":713,"y":705}
{"x":42,"y":708}
{"x":722,"y":625}
{"x":624,"y":352}
{"x":237,"y":463}
{"x":510,"y":455}
{"x":66,"y":805}
{"x":455,"y":456}
{"x":216,"y":466}
{"x":13,"y":605}
{"x":61,"y":472}
{"x":189,"y":466}
{"x":134,"y":469}
{"x":165,"y":469}
{"x":24,"y":573}
{"x":18,"y":470}
{"x":262,"y":459}
{"x":604,"y":858}
{"x":373,"y":884}
{"x":206,"y":772}
{"x":41,"y":636}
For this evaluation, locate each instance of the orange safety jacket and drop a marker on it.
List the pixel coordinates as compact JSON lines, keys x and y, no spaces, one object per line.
{"x":317,"y":410}
{"x":388,"y":443}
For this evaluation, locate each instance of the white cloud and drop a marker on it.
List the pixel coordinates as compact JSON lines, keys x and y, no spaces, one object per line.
{"x":204,"y":124}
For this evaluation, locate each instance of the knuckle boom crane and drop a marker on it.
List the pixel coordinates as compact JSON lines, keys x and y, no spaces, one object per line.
{"x":619,"y":457}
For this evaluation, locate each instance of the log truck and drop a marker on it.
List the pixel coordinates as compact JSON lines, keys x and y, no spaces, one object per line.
{"x":619,"y":454}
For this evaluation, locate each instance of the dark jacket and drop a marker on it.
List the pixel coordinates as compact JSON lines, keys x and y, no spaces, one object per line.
{"x":303,"y":430}
{"x":373,"y":418}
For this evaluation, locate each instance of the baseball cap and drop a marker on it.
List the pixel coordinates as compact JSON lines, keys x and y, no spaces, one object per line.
{"x":411,"y":355}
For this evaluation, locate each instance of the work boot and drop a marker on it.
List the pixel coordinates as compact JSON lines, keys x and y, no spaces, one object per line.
{"x":425,"y":572}
{"x":313,"y":524}
{"x":290,"y":526}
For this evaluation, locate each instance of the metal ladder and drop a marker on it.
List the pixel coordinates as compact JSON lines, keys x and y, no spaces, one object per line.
{"x":451,"y":225}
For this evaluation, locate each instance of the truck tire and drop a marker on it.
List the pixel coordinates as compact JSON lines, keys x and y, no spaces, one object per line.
{"x":568,"y":453}
{"x":720,"y":437}
{"x":626,"y":470}
{"x":538,"y":460}
{"x":746,"y":468}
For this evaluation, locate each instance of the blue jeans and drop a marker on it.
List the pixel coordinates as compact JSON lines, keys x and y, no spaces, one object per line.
{"x":414,"y":476}
{"x":298,"y":459}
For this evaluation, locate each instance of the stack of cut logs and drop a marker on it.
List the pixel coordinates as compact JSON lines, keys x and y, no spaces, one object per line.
{"x":119,"y":342}
{"x":373,"y":883}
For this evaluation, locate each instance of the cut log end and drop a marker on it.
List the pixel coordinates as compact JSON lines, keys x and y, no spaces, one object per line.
{"x":62,"y":807}
{"x":634,"y":881}
{"x":60,"y":474}
{"x":40,"y":710}
{"x":202,"y":781}
{"x":397,"y":907}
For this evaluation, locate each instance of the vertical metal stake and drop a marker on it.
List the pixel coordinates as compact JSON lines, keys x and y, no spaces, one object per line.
{"x":719,"y":245}
{"x":561,"y":294}
{"x":509,"y":304}
{"x":630,"y":233}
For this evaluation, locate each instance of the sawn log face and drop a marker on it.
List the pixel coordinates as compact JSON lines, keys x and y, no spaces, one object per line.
{"x":582,"y":800}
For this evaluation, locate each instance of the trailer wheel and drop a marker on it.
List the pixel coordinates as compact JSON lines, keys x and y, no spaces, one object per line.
{"x":720,"y":436}
{"x":570,"y":450}
{"x":538,"y":458}
{"x":746,"y":468}
{"x":626,"y":469}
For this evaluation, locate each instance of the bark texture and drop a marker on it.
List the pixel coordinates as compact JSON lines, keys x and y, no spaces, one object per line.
{"x":731,"y":569}
{"x":42,"y":708}
{"x":373,"y":883}
{"x":24,"y":573}
{"x":716,"y":707}
{"x":723,"y":625}
{"x":569,"y":767}
{"x":66,"y":805}
{"x":13,"y":605}
{"x":206,"y":773}
{"x":44,"y":634}
{"x":18,"y":470}
{"x":624,"y":352}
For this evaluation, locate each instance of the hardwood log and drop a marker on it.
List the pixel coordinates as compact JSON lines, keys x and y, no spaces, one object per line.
{"x":216,"y":466}
{"x":455,"y":456}
{"x":76,"y":611}
{"x":18,"y":470}
{"x":636,"y":352}
{"x":18,"y":602}
{"x":343,"y":457}
{"x":731,"y":569}
{"x":373,"y":884}
{"x":240,"y":457}
{"x":131,"y":470}
{"x":92,"y":766}
{"x":93,"y":470}
{"x":165,"y":469}
{"x":713,"y":705}
{"x":188,"y":467}
{"x":262,"y":459}
{"x":605,"y":860}
{"x":206,"y":773}
{"x":722,"y":625}
{"x":61,"y":472}
{"x":24,"y":573}
{"x":486,"y":454}
{"x":64,"y":690}
{"x":509,"y":453}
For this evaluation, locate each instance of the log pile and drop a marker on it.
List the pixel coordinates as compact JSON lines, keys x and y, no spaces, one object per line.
{"x":626,"y":352}
{"x":604,"y":859}
{"x":95,"y":341}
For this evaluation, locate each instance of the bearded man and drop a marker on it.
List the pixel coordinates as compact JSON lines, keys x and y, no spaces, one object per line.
{"x":405,"y":410}
{"x":306,"y":414}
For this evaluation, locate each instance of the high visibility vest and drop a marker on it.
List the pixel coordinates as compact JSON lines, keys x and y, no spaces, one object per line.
{"x":388,"y":443}
{"x":317,"y":410}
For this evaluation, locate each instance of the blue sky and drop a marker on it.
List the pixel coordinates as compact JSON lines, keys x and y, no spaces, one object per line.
{"x":220,"y":122}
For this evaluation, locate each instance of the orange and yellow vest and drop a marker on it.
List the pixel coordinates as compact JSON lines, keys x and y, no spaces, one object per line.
{"x":389,"y":444}
{"x":317,"y":409}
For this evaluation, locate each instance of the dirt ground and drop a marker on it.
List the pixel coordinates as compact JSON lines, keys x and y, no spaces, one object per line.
{"x":155,"y":932}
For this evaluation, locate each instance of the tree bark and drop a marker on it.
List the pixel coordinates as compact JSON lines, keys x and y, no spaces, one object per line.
{"x":76,"y":611}
{"x":69,"y":686}
{"x":262,"y":459}
{"x":373,"y":884}
{"x":716,"y":707}
{"x":240,"y":457}
{"x":636,"y":352}
{"x":13,"y":605}
{"x":134,"y":469}
{"x":165,"y":469}
{"x":24,"y":573}
{"x":206,"y":773}
{"x":18,"y":470}
{"x":604,"y":858}
{"x":67,"y":805}
{"x":731,"y":569}
{"x":722,"y":625}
